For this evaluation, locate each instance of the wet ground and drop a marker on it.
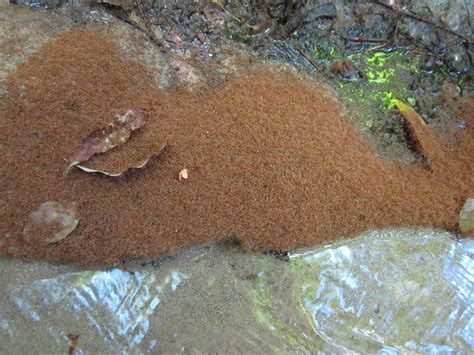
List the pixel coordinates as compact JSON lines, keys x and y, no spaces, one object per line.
{"x":377,"y":292}
{"x":392,"y":291}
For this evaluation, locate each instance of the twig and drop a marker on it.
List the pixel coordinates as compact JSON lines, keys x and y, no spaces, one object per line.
{"x":218,"y":3}
{"x":306,"y":57}
{"x":125,"y":18}
{"x":384,"y":41}
{"x":310,"y":61}
{"x":149,"y":31}
{"x":362,"y":39}
{"x":122,"y":15}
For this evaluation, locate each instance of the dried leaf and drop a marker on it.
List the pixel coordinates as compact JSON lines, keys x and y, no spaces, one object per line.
{"x":104,"y":139}
{"x":51,"y":223}
{"x":139,"y":165}
{"x":421,"y":134}
{"x":183,"y":174}
{"x":412,"y":117}
{"x":219,"y":3}
{"x":73,"y":343}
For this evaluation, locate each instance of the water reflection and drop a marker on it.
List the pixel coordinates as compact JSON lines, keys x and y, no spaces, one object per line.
{"x":387,"y":291}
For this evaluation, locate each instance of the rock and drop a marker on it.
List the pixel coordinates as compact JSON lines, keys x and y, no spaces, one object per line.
{"x":127,"y":5}
{"x":345,"y":69}
{"x":451,"y":15}
{"x":50,"y":223}
{"x":323,"y":10}
{"x":466,"y":217}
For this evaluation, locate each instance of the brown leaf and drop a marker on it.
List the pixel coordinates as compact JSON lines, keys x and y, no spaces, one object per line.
{"x":409,"y":113}
{"x":138,"y":165}
{"x":73,"y":342}
{"x":421,"y":134}
{"x":104,"y":139}
{"x":346,"y":69}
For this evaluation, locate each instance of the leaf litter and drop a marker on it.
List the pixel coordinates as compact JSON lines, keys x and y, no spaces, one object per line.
{"x":117,"y":173}
{"x":421,"y":134}
{"x":113,"y":135}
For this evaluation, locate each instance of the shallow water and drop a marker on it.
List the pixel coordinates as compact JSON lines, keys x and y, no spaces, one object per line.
{"x":387,"y":291}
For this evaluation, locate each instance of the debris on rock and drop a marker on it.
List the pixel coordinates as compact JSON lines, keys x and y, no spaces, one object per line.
{"x":183,"y":175}
{"x":345,"y":69}
{"x":73,"y":342}
{"x":104,"y":139}
{"x":466,"y":217}
{"x":50,"y":223}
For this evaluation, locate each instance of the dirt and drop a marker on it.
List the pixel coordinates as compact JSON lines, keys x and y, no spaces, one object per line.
{"x":272,"y":161}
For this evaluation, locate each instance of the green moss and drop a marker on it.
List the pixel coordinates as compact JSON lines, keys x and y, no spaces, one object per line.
{"x":386,"y":76}
{"x":262,"y":306}
{"x":325,"y":53}
{"x":378,"y":59}
{"x":381,"y":76}
{"x":211,"y":281}
{"x":388,"y":100}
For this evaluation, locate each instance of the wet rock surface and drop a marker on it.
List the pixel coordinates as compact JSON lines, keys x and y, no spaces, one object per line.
{"x":393,"y":290}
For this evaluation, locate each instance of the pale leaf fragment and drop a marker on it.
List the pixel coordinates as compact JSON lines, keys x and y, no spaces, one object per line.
{"x":50,"y":223}
{"x":183,"y":174}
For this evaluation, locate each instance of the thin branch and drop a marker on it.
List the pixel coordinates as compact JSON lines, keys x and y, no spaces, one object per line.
{"x":384,"y":41}
{"x":218,"y":3}
{"x":149,"y":32}
{"x":306,"y":57}
{"x":362,"y":39}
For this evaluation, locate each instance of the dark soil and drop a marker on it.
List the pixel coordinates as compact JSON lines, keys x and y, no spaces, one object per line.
{"x":272,"y":162}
